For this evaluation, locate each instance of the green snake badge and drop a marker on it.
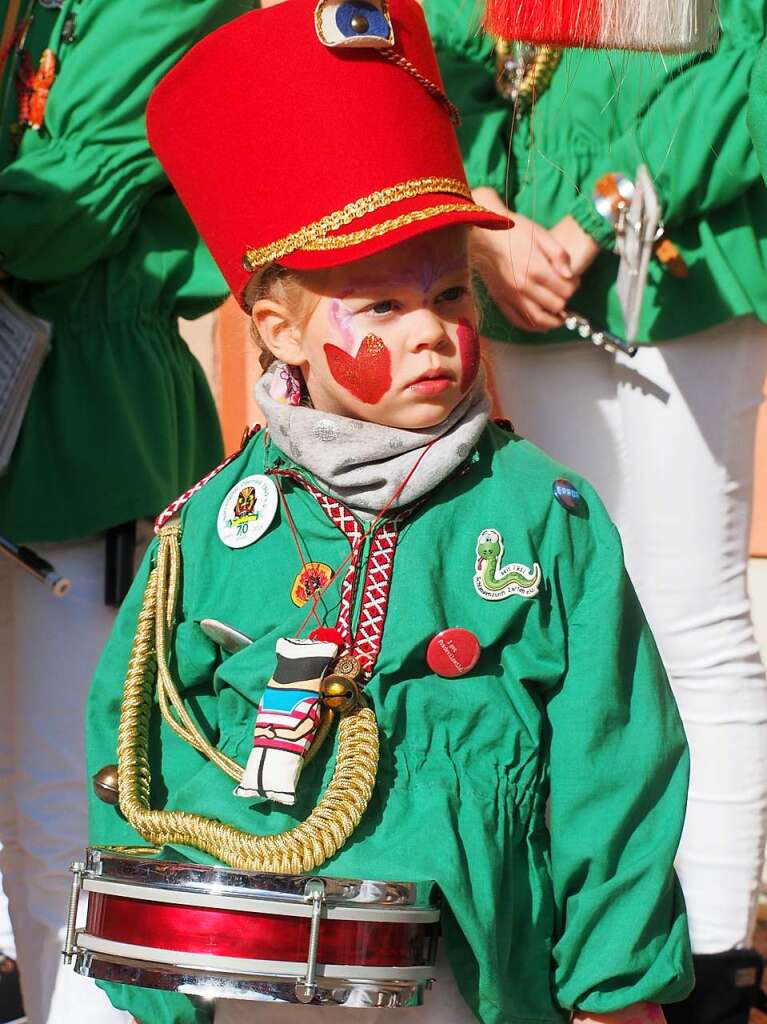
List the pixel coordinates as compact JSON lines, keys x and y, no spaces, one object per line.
{"x":494,"y":582}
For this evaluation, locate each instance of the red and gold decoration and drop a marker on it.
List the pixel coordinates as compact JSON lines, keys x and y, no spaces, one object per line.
{"x":313,"y":578}
{"x":32,"y":87}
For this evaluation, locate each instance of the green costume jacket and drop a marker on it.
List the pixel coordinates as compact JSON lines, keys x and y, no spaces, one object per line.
{"x":683,"y":116}
{"x":568,"y":700}
{"x":93,"y":238}
{"x":757,"y":108}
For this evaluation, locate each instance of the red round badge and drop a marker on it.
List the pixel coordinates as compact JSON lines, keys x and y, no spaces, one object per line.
{"x":452,"y":653}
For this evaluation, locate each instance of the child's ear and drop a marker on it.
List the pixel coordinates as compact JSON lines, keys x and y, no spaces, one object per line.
{"x":277,"y":330}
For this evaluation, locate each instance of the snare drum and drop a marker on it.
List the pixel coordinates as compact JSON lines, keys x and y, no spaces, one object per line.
{"x":225,"y":934}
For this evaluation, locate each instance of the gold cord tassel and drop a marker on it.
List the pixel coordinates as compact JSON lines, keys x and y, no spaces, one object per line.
{"x":298,"y":850}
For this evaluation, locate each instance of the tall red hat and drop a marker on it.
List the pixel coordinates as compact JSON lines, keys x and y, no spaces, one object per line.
{"x":312,"y":134}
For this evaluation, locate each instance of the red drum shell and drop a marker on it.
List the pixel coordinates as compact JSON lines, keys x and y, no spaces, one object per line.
{"x":237,"y":933}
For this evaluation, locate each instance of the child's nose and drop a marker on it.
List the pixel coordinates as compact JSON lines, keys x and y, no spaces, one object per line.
{"x":426,"y":330}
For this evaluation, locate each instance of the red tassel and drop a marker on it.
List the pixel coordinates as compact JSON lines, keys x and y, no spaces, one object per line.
{"x":327,"y":633}
{"x":563,"y":23}
{"x":681,"y":26}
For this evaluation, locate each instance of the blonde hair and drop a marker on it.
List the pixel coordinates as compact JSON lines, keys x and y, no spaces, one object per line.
{"x":288,"y":287}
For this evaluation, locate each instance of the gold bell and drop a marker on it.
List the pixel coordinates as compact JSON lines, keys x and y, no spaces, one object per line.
{"x":105,"y":784}
{"x":340,"y":692}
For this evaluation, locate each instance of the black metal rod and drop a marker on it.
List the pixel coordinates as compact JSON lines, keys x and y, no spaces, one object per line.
{"x":32,"y":563}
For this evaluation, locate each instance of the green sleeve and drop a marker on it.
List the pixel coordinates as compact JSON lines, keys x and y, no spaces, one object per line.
{"x":757,"y":109}
{"x":691,"y":132}
{"x":467,"y":64}
{"x":75,"y":191}
{"x":619,"y":774}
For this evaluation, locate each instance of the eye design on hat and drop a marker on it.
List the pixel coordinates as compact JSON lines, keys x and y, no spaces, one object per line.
{"x":354,"y":23}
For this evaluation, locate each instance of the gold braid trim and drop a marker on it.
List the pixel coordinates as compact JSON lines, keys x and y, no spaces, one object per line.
{"x":298,"y":850}
{"x":317,"y":235}
{"x":356,"y":237}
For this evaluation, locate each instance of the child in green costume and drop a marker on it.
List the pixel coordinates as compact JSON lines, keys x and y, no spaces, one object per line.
{"x":388,"y":510}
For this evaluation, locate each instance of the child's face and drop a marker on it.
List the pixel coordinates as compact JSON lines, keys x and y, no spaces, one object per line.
{"x":393,"y":338}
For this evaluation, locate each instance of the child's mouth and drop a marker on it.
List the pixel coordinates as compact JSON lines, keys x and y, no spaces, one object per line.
{"x":432,"y":383}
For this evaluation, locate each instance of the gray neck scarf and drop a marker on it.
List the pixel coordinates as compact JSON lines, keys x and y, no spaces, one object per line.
{"x":364,"y":463}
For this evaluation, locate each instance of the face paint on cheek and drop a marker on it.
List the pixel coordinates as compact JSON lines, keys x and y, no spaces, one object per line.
{"x":366,"y":376}
{"x":340,"y":317}
{"x":468,"y":347}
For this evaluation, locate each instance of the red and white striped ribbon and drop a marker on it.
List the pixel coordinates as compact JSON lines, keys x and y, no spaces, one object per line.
{"x":365,"y":643}
{"x":176,"y":505}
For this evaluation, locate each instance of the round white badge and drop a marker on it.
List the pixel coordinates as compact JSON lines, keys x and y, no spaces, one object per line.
{"x":247,"y":511}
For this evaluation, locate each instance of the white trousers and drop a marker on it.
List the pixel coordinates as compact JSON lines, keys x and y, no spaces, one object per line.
{"x":443,"y":1004}
{"x":7,"y":941}
{"x":667,"y":438}
{"x":48,"y":651}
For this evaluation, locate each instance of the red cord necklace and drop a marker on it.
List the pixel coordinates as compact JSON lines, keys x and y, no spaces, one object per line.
{"x":356,"y":550}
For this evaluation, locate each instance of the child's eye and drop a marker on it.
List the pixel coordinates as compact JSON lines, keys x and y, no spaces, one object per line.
{"x":382,"y":308}
{"x":452,"y":294}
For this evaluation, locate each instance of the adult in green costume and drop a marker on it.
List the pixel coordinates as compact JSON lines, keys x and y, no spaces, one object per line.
{"x":93,"y":239}
{"x":667,"y":438}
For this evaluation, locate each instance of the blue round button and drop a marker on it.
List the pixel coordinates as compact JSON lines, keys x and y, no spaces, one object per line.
{"x":566,"y":494}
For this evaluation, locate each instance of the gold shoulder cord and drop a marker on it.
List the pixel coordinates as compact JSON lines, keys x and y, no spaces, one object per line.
{"x":300,"y":849}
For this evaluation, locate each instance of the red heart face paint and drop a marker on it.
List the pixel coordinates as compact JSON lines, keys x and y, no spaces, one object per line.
{"x":468,"y":346}
{"x":367,"y":375}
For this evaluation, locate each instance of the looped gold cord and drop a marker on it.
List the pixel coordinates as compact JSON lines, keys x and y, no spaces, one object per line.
{"x":168,"y":569}
{"x":297,"y":850}
{"x":321,"y":229}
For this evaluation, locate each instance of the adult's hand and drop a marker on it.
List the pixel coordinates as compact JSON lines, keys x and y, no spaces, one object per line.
{"x":580,"y":246}
{"x":637,"y":1013}
{"x":526,"y":270}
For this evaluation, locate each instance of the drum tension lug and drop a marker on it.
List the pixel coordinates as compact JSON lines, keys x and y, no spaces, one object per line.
{"x":314,"y":893}
{"x":77,"y":869}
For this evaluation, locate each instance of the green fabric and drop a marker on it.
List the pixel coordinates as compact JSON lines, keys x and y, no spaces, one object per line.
{"x":757,"y":108}
{"x":569,"y":694}
{"x":684,"y":116}
{"x":121,"y":418}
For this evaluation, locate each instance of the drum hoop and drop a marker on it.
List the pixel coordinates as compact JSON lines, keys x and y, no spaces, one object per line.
{"x":190,"y":877}
{"x":222,"y":985}
{"x":268,"y":970}
{"x":256,"y":904}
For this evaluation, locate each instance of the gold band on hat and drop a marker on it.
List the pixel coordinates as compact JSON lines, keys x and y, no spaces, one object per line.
{"x":356,"y":237}
{"x":317,"y":236}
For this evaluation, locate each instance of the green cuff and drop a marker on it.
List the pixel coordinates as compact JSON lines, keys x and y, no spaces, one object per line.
{"x":600,"y":229}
